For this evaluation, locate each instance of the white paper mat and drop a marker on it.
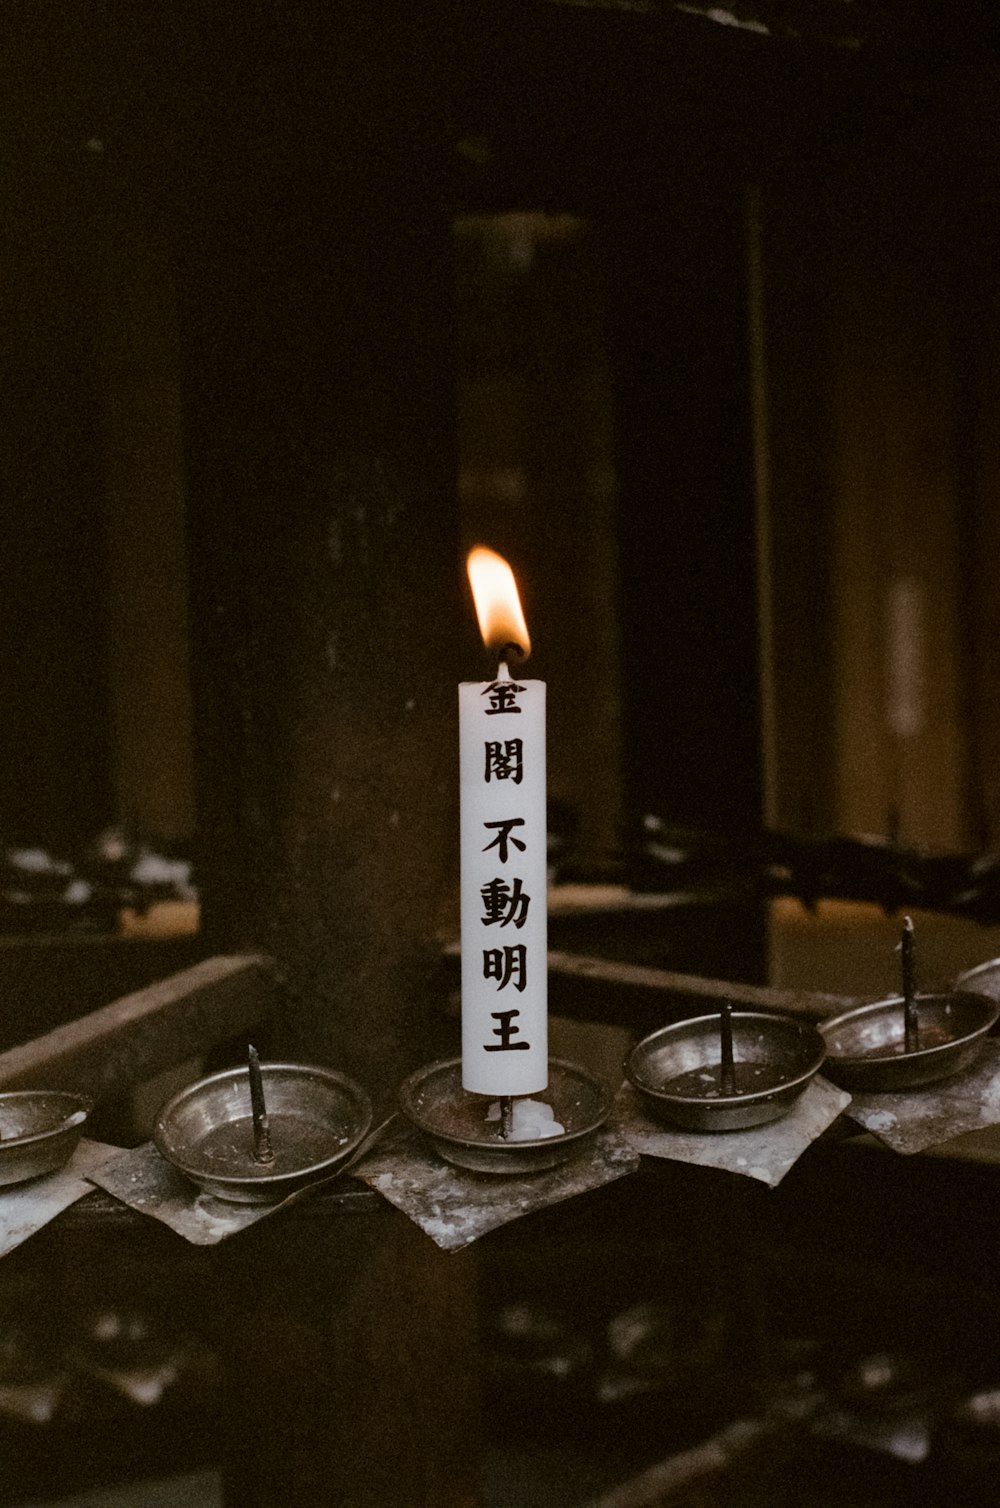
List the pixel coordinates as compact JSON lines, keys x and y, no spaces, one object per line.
{"x":455,"y":1207}
{"x":26,"y":1207}
{"x":762,"y":1152}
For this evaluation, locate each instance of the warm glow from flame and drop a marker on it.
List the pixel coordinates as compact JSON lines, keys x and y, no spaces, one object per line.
{"x":498,"y":607}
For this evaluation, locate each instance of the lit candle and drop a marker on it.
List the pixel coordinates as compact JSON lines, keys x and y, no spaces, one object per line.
{"x":503,"y":853}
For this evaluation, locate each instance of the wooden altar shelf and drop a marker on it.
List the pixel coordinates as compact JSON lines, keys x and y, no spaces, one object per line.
{"x":343,"y":1355}
{"x":339,"y":1317}
{"x":122,"y":1045}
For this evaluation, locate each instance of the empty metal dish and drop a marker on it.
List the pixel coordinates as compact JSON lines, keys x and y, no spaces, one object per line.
{"x":455,"y":1120}
{"x":866,"y":1047}
{"x":39,"y":1130}
{"x":317,"y":1118}
{"x":678,"y":1072}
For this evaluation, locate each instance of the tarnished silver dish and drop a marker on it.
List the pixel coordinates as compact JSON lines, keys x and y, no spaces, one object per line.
{"x":680,"y":1075}
{"x":39,"y":1131}
{"x":317,"y":1118}
{"x":455,"y":1121}
{"x":867,"y":1049}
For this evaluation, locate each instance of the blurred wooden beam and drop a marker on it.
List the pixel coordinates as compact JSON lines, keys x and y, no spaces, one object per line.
{"x":142,"y":1034}
{"x":628,"y":994}
{"x":572,"y":976}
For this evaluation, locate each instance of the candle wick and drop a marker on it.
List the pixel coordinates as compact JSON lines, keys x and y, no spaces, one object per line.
{"x":505,"y":652}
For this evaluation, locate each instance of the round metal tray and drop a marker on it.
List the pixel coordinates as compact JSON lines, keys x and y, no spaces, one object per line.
{"x":866,"y":1046}
{"x":677,"y":1071}
{"x":39,"y":1130}
{"x":454,"y":1120}
{"x":317,"y":1118}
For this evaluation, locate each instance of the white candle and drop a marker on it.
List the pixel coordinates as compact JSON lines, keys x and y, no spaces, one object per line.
{"x":503,"y":856}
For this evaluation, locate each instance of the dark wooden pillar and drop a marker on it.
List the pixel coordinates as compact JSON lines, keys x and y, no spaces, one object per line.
{"x":347,"y":1355}
{"x":324,"y":541}
{"x":54,"y":754}
{"x":313,"y":246}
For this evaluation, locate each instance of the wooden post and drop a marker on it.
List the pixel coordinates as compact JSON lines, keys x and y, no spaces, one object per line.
{"x":347,"y":1361}
{"x":325,"y":556}
{"x":315,"y":276}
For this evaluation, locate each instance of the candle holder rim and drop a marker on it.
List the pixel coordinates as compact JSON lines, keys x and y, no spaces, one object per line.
{"x":261,"y":1182}
{"x":75,"y":1104}
{"x":34,"y":1153}
{"x":976,"y":978}
{"x":891,"y":1005}
{"x":493,"y":1155}
{"x":806,"y":1031}
{"x":725,"y":1113}
{"x":886,"y":1072}
{"x":441,"y":1065}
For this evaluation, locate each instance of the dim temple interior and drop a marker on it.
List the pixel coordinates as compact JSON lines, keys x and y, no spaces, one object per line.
{"x":689,"y":313}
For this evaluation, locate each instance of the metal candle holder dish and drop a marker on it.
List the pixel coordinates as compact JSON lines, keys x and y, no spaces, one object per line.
{"x":867,"y":1048}
{"x":728,"y":1072}
{"x":454,"y":1120}
{"x":315,"y":1120}
{"x":39,"y":1131}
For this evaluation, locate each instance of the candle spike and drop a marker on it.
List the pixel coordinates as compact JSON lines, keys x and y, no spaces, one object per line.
{"x":727,"y":1071}
{"x":262,"y":1150}
{"x":911,"y":1025}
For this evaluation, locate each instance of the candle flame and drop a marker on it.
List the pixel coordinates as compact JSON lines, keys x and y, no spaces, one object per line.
{"x":498,"y":606}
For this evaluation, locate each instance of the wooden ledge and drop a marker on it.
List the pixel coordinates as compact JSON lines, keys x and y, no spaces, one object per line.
{"x":142,"y":1034}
